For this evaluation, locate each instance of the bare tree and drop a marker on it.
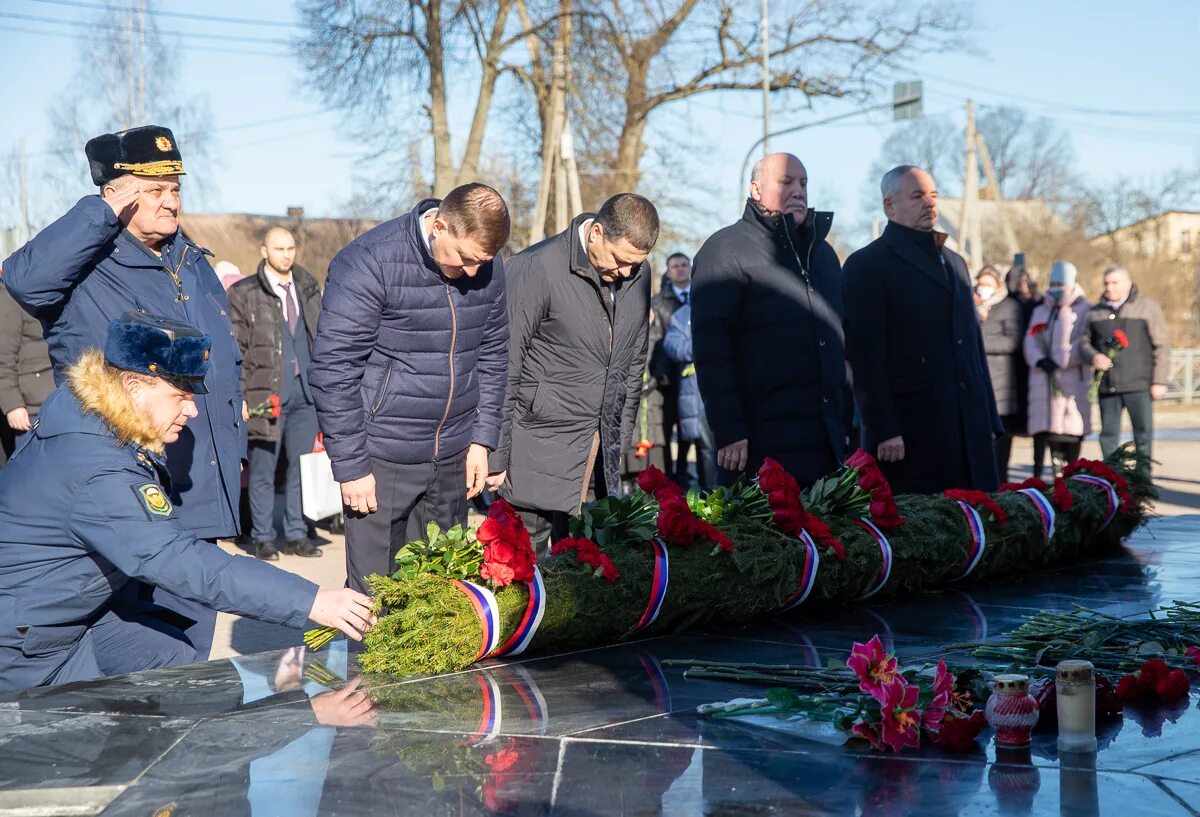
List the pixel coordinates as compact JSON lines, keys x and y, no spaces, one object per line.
{"x":126,"y":75}
{"x":369,"y":57}
{"x":633,"y":60}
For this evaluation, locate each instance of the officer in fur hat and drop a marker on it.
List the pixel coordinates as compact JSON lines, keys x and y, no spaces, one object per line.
{"x":122,"y":251}
{"x":86,"y":514}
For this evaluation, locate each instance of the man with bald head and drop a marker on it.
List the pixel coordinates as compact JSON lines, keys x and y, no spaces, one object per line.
{"x":767,"y":331}
{"x":920,"y":370}
{"x":274,"y":314}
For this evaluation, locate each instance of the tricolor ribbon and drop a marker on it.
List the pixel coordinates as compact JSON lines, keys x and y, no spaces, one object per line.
{"x":658,"y":587}
{"x":808,"y":578}
{"x":885,"y":552}
{"x":490,"y":717}
{"x":1044,"y":508}
{"x":527,"y":629}
{"x":530,"y":694}
{"x":1114,"y":501}
{"x":483,"y":602}
{"x":978,"y":539}
{"x":486,"y":610}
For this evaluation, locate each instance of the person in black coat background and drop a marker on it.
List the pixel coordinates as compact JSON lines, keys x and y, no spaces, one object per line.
{"x":920,"y":372}
{"x":579,"y":306}
{"x":767,"y":331}
{"x":1003,"y":327}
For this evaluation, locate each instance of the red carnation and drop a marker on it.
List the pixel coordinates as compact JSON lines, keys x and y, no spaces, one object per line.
{"x":979,"y":498}
{"x":1102,"y":470}
{"x":1037,"y":329}
{"x":507,"y":553}
{"x":860,"y":459}
{"x":655,"y":482}
{"x":588,"y":552}
{"x":957,"y":733}
{"x":1121,"y":338}
{"x":1193,"y":653}
{"x":1062,"y":496}
{"x":275,"y":405}
{"x":1153,"y":680}
{"x":787,"y":508}
{"x":1032,"y":482}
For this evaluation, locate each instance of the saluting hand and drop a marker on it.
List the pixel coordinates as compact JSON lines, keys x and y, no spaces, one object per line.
{"x":123,"y":200}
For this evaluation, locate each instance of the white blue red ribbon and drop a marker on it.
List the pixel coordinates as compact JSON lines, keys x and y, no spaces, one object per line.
{"x":885,"y":552}
{"x":808,"y":576}
{"x":1114,"y":501}
{"x":491,"y":715}
{"x":486,"y":610}
{"x":527,"y":629}
{"x":978,"y":539}
{"x":658,"y":587}
{"x":1044,"y":508}
{"x":528,"y":691}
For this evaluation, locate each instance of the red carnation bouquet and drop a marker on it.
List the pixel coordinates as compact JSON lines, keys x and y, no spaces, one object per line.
{"x":500,"y":553}
{"x":884,"y":512}
{"x":507,"y":553}
{"x":979,"y":500}
{"x":1116,"y":344}
{"x":1105,"y":472}
{"x":677,"y":522}
{"x":787,"y":507}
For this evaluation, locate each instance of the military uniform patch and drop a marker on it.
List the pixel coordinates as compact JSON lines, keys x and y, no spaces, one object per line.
{"x":153,"y":499}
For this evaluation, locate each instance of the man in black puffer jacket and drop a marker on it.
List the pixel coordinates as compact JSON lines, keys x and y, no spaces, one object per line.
{"x":580,"y":307}
{"x":767,"y":332}
{"x":408,"y":370}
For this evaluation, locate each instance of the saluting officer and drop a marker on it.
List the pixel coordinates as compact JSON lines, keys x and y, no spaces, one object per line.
{"x":122,"y":251}
{"x":85,"y":510}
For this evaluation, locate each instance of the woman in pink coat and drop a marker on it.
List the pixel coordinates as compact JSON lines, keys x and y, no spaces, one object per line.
{"x":1060,"y":373}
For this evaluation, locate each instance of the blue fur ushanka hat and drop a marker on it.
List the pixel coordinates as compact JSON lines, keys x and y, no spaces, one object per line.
{"x":175,"y":351}
{"x":148,"y":151}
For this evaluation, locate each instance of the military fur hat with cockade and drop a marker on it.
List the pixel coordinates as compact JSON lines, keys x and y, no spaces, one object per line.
{"x":148,"y":151}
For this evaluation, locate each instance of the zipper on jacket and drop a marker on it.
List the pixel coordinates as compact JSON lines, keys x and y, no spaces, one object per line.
{"x":174,"y":273}
{"x":437,"y":435}
{"x":387,"y":375}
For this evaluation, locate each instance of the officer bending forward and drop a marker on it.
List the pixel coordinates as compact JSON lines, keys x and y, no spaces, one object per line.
{"x":85,"y":515}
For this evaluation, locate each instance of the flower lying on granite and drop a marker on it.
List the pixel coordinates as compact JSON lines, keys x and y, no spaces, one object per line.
{"x":1154,"y":681}
{"x":875,"y":668}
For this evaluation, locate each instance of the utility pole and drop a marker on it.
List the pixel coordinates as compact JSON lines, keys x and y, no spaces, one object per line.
{"x":766,"y":79}
{"x":553,"y":127}
{"x":23,"y":193}
{"x":969,"y":232}
{"x":985,"y":159}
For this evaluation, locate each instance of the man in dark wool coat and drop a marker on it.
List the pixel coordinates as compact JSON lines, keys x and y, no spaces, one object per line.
{"x":913,"y":339}
{"x":767,"y":329}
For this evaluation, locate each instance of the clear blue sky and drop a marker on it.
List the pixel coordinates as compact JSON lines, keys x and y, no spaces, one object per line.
{"x":1051,"y":57}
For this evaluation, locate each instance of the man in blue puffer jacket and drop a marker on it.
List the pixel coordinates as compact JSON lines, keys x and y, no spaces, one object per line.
{"x":408,"y":371}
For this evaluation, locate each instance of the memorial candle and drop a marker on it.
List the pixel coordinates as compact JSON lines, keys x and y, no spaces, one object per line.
{"x":1075,"y":687}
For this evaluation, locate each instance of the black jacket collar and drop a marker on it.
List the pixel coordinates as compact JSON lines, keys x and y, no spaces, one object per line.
{"x":815,"y":229}
{"x":300,"y":278}
{"x":921,"y":248}
{"x":581,"y":265}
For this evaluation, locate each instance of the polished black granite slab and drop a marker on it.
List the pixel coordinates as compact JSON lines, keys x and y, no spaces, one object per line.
{"x":596,"y":732}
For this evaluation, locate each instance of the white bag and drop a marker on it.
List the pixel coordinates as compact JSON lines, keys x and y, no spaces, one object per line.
{"x":320,"y":494}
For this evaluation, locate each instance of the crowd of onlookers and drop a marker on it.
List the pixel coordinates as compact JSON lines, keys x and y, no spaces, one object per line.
{"x":1053,"y":353}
